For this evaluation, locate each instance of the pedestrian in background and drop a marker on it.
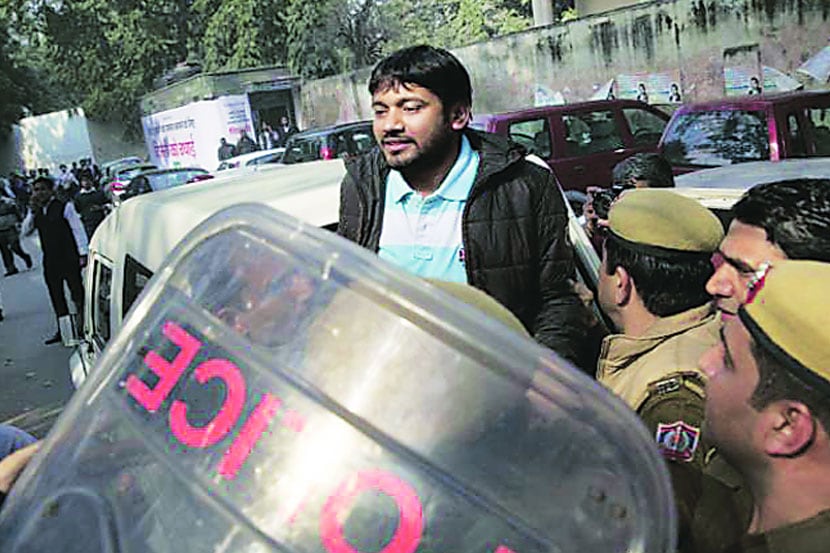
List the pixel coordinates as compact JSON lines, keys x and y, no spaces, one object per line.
{"x":284,"y":131}
{"x":64,"y":244}
{"x":91,"y":204}
{"x":10,"y":234}
{"x":446,"y":202}
{"x":226,"y":150}
{"x":245,"y":145}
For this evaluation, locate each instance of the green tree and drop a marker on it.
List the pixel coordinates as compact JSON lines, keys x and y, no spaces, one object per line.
{"x":242,"y":33}
{"x":105,"y":54}
{"x":452,"y":23}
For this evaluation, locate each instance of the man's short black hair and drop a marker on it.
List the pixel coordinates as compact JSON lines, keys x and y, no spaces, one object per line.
{"x":653,"y":168}
{"x":48,"y":181}
{"x":795,"y":214}
{"x":666,"y":286}
{"x":432,"y":68}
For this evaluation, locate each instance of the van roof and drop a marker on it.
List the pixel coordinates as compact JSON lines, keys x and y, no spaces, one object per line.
{"x":757,"y":101}
{"x":150,"y":225}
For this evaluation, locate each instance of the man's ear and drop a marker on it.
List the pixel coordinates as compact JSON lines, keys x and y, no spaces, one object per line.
{"x":460,"y":116}
{"x":789,"y":428}
{"x":623,"y":286}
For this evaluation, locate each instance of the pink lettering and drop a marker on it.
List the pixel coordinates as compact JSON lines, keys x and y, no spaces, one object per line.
{"x":410,"y":513}
{"x":167,"y":372}
{"x":241,"y":448}
{"x":228,"y":414}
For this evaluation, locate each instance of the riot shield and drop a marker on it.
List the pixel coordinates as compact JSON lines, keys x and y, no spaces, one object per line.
{"x":277,"y":388}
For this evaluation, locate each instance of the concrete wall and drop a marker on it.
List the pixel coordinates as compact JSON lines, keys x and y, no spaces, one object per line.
{"x":590,"y":7}
{"x":690,"y":42}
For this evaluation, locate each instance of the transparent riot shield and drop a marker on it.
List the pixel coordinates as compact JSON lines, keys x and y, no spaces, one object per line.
{"x":279,"y":389}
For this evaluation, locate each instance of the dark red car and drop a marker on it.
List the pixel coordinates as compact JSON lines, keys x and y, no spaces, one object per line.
{"x":752,"y":128}
{"x":581,"y":142}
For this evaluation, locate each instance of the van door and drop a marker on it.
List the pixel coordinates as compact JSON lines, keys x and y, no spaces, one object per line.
{"x":589,"y":144}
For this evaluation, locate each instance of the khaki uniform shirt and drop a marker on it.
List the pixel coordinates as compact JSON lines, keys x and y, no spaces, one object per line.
{"x":657,"y":375}
{"x":808,"y":536}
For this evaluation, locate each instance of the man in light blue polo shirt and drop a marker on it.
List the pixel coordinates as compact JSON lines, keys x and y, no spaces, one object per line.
{"x":422,"y":232}
{"x":449,"y":203}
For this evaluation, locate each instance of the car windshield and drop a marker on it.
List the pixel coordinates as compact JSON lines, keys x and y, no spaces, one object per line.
{"x":303,"y":149}
{"x":163,"y":181}
{"x":717,"y":137}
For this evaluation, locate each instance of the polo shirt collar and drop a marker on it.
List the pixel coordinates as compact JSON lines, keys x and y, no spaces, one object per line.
{"x":454,"y":187}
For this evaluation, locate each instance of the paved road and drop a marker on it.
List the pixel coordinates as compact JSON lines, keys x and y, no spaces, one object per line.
{"x":35,"y":377}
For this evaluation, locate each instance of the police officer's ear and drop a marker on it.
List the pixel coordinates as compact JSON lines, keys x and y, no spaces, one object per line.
{"x":789,"y":428}
{"x":623,"y":286}
{"x":460,"y":116}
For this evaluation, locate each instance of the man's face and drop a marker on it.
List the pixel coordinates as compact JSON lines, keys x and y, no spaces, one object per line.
{"x":742,"y":252}
{"x":732,"y":378}
{"x":411,"y":127}
{"x":41,"y":193}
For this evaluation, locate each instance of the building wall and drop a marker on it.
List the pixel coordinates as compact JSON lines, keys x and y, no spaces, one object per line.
{"x":590,"y":7}
{"x":690,"y":42}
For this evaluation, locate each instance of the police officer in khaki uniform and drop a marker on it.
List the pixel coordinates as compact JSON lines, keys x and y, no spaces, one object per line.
{"x":768,"y":406}
{"x":655,"y":264}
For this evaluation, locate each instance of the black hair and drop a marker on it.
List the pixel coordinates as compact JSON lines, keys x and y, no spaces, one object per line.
{"x":666,"y":286}
{"x":795,"y":214}
{"x":653,"y":168}
{"x":433,"y":68}
{"x":48,"y":181}
{"x":777,"y":382}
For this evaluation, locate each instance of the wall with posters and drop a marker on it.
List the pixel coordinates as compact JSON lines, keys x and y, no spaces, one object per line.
{"x":189,"y":136}
{"x":706,"y":49}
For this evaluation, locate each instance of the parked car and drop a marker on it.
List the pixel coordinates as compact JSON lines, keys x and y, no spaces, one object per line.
{"x":338,"y":141}
{"x":120,"y":177}
{"x":253,"y":159}
{"x":751,"y":128}
{"x":109,"y":166}
{"x":162,"y":179}
{"x":581,"y":142}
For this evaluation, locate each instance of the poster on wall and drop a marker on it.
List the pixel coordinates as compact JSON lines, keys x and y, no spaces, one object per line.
{"x":742,"y":71}
{"x":817,"y":66}
{"x":189,"y":136}
{"x":651,"y":88}
{"x":235,"y":116}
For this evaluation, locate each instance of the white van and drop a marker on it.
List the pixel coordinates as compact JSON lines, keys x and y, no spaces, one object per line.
{"x":131,"y":243}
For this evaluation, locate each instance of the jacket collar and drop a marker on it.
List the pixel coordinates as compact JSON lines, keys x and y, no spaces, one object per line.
{"x":620,"y":350}
{"x":496,"y":153}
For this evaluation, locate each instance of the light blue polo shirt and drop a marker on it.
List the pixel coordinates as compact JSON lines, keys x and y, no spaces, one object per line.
{"x":422,"y":234}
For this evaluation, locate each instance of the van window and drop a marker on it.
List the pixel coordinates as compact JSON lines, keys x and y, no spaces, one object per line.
{"x":363,"y":141}
{"x":136,"y":276}
{"x":102,"y":296}
{"x":820,"y":119}
{"x":795,"y":137}
{"x":533,"y":134}
{"x":591,"y":133}
{"x":717,"y":137}
{"x":646,"y":127}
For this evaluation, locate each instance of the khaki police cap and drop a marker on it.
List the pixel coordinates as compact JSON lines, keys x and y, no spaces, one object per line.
{"x":662,"y":222}
{"x":788,"y":314}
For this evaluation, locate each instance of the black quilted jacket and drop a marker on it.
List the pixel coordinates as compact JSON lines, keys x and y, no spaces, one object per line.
{"x":514,"y":231}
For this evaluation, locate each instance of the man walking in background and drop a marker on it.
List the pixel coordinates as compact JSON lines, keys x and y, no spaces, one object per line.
{"x":64,"y":245}
{"x":10,"y":235}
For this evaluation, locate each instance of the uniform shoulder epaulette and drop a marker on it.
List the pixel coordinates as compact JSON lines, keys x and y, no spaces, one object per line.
{"x":689,"y":380}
